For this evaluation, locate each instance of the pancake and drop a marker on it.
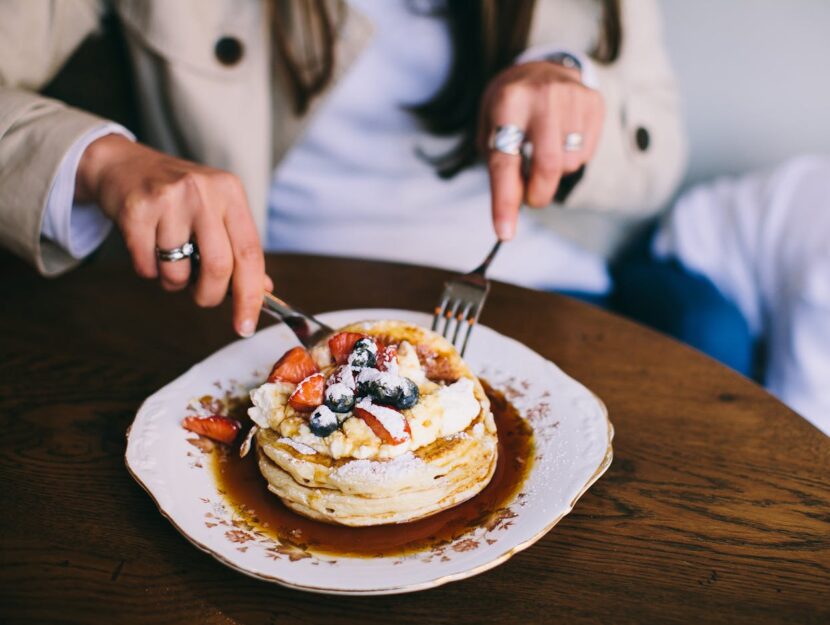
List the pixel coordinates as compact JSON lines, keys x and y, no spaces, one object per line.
{"x":415,"y":437}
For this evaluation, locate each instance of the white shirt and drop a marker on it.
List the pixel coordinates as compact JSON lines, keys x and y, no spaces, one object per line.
{"x":355,"y":185}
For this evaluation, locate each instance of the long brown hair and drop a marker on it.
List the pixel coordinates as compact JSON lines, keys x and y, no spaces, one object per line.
{"x":487,"y":35}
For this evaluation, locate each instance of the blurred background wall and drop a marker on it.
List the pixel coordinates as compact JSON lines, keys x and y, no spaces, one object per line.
{"x":755,"y":78}
{"x":754,"y":75}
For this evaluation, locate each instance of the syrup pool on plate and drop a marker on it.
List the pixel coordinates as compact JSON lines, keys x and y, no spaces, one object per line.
{"x":246,"y":491}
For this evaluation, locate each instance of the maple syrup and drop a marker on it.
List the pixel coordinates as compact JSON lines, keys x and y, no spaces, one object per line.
{"x":246,"y":491}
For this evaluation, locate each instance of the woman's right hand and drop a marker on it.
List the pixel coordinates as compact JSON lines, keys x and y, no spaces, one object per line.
{"x":159,"y":201}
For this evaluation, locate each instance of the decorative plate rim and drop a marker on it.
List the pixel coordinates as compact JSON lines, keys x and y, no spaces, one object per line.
{"x":603,"y":466}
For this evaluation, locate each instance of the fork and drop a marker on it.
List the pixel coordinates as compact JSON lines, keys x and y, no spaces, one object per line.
{"x":462,"y":301}
{"x":307,"y":328}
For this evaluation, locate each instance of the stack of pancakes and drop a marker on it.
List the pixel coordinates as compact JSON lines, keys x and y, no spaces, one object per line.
{"x":382,"y":485}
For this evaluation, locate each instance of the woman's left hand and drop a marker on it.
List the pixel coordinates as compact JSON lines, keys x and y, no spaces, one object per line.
{"x":548,"y":102}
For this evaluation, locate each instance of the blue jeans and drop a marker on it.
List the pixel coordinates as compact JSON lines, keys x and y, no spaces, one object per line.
{"x":688,"y":307}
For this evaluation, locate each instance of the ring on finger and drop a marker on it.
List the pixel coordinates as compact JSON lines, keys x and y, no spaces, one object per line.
{"x":507,"y":139}
{"x":175,"y":254}
{"x":573,"y":142}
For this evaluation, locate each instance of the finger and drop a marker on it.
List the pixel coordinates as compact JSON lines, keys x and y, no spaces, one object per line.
{"x":572,"y":159}
{"x":592,"y":123}
{"x":173,"y":231}
{"x":547,"y":160}
{"x":573,"y":123}
{"x":139,"y":232}
{"x":269,"y":283}
{"x":511,"y":108}
{"x":506,"y":190}
{"x":215,"y":259}
{"x":248,"y":268}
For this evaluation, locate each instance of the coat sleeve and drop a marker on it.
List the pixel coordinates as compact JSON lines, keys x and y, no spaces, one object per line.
{"x":36,"y":38}
{"x":641,"y":155}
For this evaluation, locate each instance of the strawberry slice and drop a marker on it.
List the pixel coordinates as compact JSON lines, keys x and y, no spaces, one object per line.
{"x":388,"y":424}
{"x":214,"y":427}
{"x":309,"y":393}
{"x":341,"y":345}
{"x":294,"y":366}
{"x":387,"y":354}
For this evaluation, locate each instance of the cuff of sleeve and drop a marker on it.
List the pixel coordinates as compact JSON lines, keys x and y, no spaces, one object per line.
{"x":543,"y":52}
{"x":76,"y":228}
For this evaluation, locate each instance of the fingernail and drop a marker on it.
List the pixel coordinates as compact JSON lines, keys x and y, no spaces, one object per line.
{"x":246,"y":328}
{"x":505,"y":230}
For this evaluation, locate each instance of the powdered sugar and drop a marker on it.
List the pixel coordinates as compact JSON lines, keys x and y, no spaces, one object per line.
{"x":367,"y":375}
{"x":342,"y":375}
{"x":325,"y":417}
{"x":391,"y":420}
{"x":361,"y":471}
{"x":387,"y":379}
{"x":338,"y":392}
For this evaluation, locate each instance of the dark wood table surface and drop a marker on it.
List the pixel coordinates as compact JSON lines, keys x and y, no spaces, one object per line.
{"x":715,"y":509}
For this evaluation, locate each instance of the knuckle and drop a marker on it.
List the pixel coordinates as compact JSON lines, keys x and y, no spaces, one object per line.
{"x":547,"y":163}
{"x":571,"y":163}
{"x":143,"y":268}
{"x":249,"y":251}
{"x":500,"y":164}
{"x":252,"y":298}
{"x":511,"y":95}
{"x":217,"y":266}
{"x":189,"y":183}
{"x":173,"y":284}
{"x":205,"y":299}
{"x":134,"y":211}
{"x":561,"y":92}
{"x":507,"y":201}
{"x":537,"y":200}
{"x":227,"y":181}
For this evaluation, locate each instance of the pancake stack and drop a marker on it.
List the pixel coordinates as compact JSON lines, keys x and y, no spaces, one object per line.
{"x":381,"y":423}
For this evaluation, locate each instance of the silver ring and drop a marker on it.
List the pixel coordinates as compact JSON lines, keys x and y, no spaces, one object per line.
{"x":573,"y":142}
{"x":507,"y":140}
{"x":177,"y":253}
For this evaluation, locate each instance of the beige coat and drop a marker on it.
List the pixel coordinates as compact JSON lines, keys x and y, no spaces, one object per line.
{"x":238,"y":117}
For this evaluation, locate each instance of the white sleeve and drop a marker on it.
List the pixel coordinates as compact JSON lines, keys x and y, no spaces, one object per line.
{"x":542,"y":52}
{"x":77,"y":228}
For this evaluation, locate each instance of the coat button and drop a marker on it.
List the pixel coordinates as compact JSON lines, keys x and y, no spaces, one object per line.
{"x":642,"y":138}
{"x":228,"y":50}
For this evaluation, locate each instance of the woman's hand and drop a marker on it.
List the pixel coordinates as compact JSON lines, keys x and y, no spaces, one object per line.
{"x":160,"y":201}
{"x":548,"y":102}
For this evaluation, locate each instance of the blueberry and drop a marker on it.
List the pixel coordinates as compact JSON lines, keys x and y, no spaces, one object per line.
{"x":323,"y":421}
{"x":408,"y":394}
{"x":386,"y":388}
{"x":339,"y":397}
{"x":365,"y":381}
{"x":364,"y":353}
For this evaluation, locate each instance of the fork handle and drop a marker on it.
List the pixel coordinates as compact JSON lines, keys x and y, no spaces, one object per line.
{"x":306,"y":328}
{"x":482,"y":268}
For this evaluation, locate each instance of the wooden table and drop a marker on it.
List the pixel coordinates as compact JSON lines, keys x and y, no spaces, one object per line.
{"x":715,"y":509}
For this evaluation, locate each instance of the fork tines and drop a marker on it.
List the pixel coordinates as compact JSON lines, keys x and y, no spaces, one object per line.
{"x":462,"y":301}
{"x":460,"y":306}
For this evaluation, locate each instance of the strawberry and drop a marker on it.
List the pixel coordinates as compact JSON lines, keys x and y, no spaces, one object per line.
{"x":387,"y":354}
{"x":341,"y":345}
{"x":309,"y":393}
{"x":294,"y":366}
{"x":215,"y":427}
{"x":376,"y":416}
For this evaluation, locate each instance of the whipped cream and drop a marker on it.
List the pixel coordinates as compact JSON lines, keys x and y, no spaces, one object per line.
{"x":459,"y":406}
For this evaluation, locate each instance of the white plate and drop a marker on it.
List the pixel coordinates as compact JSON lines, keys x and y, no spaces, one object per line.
{"x":573,"y":449}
